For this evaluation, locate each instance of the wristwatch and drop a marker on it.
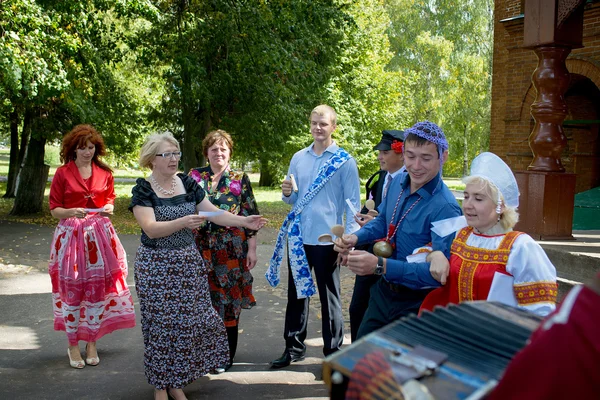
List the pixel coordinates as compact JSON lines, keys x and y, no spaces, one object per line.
{"x":379,"y":267}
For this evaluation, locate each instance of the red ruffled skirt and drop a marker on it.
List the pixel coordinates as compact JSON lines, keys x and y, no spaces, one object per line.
{"x":88,"y":269}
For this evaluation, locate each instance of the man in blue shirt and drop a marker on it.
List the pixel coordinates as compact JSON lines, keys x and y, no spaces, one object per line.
{"x":326,"y":176}
{"x":404,"y":221}
{"x":391,"y":162}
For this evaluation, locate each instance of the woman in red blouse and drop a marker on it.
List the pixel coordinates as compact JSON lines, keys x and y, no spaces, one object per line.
{"x":87,"y":265}
{"x":230,"y":251}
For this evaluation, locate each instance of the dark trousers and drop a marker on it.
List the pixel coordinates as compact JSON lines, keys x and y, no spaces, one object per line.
{"x":387,"y":305}
{"x":322,"y":260}
{"x":232,"y":340}
{"x":360,"y":301}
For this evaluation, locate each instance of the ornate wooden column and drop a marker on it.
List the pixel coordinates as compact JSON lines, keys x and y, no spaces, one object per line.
{"x":552,"y":29}
{"x":551,"y":80}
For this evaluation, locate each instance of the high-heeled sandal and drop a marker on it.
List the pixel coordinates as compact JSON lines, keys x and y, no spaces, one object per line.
{"x":75,"y":364}
{"x":93,"y":361}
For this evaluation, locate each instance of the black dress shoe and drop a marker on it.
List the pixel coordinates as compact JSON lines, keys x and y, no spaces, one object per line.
{"x":286,"y":359}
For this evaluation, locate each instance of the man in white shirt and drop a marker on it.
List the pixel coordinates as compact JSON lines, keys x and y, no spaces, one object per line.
{"x":326,"y":176}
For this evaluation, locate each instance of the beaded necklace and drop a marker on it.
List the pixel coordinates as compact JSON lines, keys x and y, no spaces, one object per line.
{"x":393,"y":229}
{"x":163,"y":190}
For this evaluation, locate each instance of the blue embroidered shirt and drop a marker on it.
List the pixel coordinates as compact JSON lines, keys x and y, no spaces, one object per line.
{"x":437,"y":203}
{"x":328,"y":206}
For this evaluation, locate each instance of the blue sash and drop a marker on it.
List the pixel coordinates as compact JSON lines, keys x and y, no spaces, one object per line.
{"x":291,"y":228}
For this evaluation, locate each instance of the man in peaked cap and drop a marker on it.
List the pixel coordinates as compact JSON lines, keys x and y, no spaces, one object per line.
{"x":391,"y":164}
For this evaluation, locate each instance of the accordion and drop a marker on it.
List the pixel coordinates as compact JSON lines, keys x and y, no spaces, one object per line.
{"x":459,"y":351}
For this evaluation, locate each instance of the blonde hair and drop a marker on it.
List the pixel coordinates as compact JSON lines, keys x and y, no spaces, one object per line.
{"x":151,"y":145}
{"x":509,"y":216}
{"x":324,"y":109}
{"x":214,"y":137}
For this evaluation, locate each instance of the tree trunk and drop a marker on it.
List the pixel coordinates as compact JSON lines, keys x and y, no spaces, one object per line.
{"x":206,"y":126}
{"x":32,"y":180}
{"x":196,"y":122}
{"x":267,"y":178}
{"x":13,"y":164}
{"x":25,"y":134}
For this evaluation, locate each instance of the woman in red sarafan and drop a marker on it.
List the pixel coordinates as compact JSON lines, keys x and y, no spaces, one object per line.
{"x":230,"y":252}
{"x":489,"y":260}
{"x":88,"y":267}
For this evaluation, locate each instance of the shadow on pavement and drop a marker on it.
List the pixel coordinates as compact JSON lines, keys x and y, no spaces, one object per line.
{"x":34,"y":363}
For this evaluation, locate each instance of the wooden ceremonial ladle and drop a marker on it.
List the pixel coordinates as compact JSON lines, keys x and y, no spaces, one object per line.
{"x":337,"y":230}
{"x":370,"y":205}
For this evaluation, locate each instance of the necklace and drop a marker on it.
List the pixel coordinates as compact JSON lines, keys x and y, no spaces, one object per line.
{"x":163,"y":190}
{"x":385,"y":248}
{"x":392,"y":233}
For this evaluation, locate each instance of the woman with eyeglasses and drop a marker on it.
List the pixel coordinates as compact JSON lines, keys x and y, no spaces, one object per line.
{"x":230,"y":251}
{"x":184,"y":338}
{"x":87,"y":264}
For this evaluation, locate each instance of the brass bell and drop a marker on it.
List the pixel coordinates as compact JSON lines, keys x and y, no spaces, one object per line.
{"x":383,"y":249}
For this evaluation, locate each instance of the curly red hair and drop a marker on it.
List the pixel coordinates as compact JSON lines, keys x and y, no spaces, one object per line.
{"x":77,"y":138}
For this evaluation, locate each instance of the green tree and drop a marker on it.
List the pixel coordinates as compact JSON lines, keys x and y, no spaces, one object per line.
{"x":57,"y":62}
{"x":367,"y":96}
{"x":445,"y":46}
{"x":252,"y":68}
{"x":30,"y":71}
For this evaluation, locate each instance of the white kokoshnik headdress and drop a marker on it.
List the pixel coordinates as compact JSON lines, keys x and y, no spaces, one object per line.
{"x":490,"y":167}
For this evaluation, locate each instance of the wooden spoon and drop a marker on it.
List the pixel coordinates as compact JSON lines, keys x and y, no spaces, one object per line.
{"x":338,"y":230}
{"x":325,"y":238}
{"x":370,"y":205}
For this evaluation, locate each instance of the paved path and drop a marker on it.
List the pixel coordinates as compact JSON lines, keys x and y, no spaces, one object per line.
{"x":34,"y":363}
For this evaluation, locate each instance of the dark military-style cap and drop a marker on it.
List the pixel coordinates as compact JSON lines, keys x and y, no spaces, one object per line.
{"x":387,"y":138}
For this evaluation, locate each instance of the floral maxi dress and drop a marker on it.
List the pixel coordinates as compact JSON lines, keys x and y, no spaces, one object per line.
{"x":184,"y":338}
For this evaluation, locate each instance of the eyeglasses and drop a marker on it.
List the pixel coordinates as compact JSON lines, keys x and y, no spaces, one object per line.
{"x":170,"y":154}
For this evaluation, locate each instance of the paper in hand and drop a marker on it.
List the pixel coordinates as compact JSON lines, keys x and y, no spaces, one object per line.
{"x":351,"y":206}
{"x":294,"y":184}
{"x":93,"y":210}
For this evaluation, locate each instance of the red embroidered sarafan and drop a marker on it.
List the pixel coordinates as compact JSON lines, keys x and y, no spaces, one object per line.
{"x":472,"y":271}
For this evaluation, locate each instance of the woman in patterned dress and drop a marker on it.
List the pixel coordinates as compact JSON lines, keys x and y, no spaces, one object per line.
{"x":490,"y":261}
{"x":87,"y":265}
{"x":230,"y":252}
{"x":184,"y":338}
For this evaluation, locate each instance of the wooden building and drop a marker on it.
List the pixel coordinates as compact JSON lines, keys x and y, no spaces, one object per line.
{"x":513,"y":92}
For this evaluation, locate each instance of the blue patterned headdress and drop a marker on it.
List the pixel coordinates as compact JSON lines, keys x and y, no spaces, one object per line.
{"x":431,"y":132}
